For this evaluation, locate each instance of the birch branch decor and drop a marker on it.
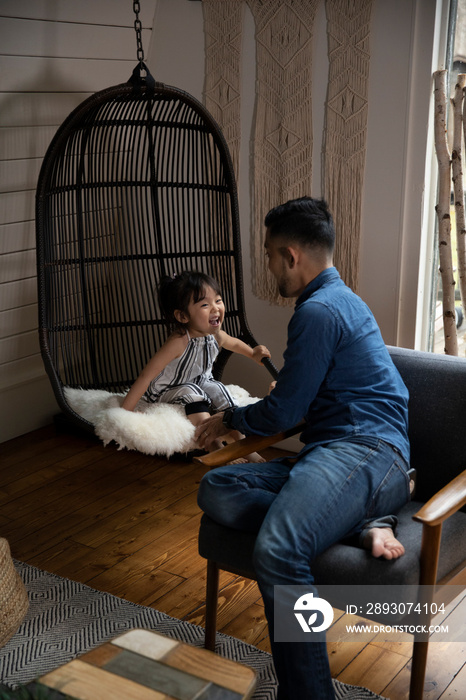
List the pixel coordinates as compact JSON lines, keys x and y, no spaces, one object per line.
{"x":443,"y":214}
{"x":457,"y":167}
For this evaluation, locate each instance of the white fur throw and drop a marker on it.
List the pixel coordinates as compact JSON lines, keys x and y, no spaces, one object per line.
{"x":151,"y":428}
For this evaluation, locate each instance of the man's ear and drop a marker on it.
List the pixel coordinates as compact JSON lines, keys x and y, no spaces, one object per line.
{"x":180,"y":316}
{"x":291,"y":256}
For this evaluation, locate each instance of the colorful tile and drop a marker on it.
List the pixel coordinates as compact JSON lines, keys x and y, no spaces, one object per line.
{"x":146,"y":643}
{"x":155,"y":675}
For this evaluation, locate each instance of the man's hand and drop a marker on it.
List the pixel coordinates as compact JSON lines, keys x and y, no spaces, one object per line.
{"x":259,"y":353}
{"x":210,"y":430}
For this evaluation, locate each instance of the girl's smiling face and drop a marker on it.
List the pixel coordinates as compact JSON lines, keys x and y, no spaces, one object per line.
{"x":205,"y":316}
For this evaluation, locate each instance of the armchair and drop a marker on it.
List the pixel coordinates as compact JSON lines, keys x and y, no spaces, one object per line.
{"x":432,"y":527}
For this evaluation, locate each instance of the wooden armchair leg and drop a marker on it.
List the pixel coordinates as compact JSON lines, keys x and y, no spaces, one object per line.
{"x":430,"y":549}
{"x":211,"y":605}
{"x":418,"y":670}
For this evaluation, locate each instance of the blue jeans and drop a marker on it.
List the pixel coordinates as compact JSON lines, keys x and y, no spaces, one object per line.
{"x":299,"y":508}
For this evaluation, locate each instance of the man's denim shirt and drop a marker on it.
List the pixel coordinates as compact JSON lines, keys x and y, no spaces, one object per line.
{"x":337,"y":374}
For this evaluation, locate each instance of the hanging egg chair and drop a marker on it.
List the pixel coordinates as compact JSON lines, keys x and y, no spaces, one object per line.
{"x":137,"y":183}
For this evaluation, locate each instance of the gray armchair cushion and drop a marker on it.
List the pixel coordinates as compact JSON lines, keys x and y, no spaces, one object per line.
{"x":342,"y":563}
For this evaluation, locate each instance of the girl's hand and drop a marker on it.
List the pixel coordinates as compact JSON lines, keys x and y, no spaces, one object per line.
{"x":259,"y":353}
{"x":272,"y":386}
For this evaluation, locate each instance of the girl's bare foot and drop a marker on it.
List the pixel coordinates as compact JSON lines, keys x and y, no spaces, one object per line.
{"x":233,"y":436}
{"x":382,"y":543}
{"x":255,"y":457}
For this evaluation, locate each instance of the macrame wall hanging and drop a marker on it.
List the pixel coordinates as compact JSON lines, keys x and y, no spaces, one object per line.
{"x":223,"y":27}
{"x":282,"y":139}
{"x":344,"y":153}
{"x":283,"y":123}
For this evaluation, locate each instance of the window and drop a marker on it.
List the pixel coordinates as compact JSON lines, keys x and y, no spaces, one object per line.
{"x":456,"y":64}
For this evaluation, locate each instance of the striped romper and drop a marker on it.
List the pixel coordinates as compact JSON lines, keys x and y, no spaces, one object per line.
{"x":188,"y":379}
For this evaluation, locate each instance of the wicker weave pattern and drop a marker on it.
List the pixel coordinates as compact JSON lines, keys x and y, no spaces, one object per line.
{"x":137,"y":183}
{"x":13,"y":597}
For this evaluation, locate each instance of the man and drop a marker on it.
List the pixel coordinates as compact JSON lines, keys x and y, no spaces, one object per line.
{"x":352,"y":470}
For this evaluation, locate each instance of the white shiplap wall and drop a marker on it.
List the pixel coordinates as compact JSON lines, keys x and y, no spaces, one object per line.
{"x":53,"y":54}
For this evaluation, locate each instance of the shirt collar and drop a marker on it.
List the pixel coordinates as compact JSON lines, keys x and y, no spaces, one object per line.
{"x":327,"y":275}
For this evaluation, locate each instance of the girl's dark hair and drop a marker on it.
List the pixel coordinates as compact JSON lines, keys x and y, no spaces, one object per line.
{"x":176,"y":292}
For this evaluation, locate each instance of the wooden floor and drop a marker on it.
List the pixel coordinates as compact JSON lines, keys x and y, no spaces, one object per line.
{"x":127,"y":524}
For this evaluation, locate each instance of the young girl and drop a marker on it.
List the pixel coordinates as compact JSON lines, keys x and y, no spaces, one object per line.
{"x":181,"y":371}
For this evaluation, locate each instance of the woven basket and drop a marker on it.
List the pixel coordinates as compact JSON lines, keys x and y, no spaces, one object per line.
{"x":13,"y":595}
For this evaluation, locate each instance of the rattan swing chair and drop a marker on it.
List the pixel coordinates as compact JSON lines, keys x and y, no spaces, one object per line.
{"x":137,"y":183}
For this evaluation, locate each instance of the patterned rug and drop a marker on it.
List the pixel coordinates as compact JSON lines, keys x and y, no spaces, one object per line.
{"x":66,"y":619}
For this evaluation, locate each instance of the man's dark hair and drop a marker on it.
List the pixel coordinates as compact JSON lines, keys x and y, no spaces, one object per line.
{"x":305,"y":221}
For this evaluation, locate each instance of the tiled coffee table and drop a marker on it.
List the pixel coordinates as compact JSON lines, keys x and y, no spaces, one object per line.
{"x":144,"y":665}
